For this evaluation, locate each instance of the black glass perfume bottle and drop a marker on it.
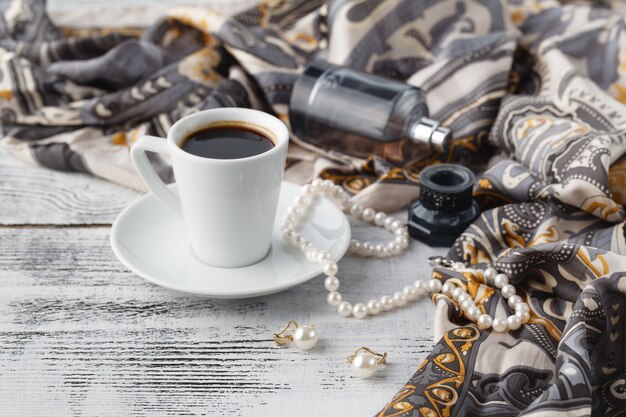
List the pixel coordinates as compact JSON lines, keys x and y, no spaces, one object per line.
{"x":335,"y":107}
{"x":445,"y":207}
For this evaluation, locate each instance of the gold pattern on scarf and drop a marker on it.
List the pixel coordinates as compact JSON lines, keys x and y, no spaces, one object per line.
{"x":469,"y":142}
{"x":605,"y":210}
{"x":619,"y":91}
{"x":6,"y":94}
{"x":473,"y":255}
{"x":550,"y":235}
{"x":617,"y":180}
{"x":120,"y":138}
{"x":199,"y":66}
{"x":397,"y":406}
{"x":442,"y":395}
{"x":583,"y":255}
{"x":513,"y":239}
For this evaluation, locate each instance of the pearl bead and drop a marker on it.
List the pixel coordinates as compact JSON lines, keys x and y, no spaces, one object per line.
{"x":330,"y":268}
{"x":500,"y":280}
{"x":316,"y":182}
{"x":484,"y":321}
{"x":307,"y":189}
{"x":368,"y":215}
{"x":311,"y":253}
{"x":508,"y":291}
{"x":323,"y":256}
{"x":368,"y":249}
{"x":447,"y":289}
{"x":464,"y":297}
{"x":379,"y":218}
{"x":331,"y":283}
{"x":302,"y":200}
{"x":355,"y":245}
{"x":394,"y":248}
{"x":386,"y":303}
{"x":522,"y":307}
{"x":305,"y":337}
{"x":378,"y":249}
{"x":364,"y":366}
{"x":343,"y":199}
{"x":467,"y":304}
{"x":344,"y":308}
{"x":456,"y":293}
{"x":287,"y":233}
{"x":401,"y":232}
{"x":524,"y":316}
{"x":396,"y":225}
{"x":513,"y":322}
{"x":305,"y":245}
{"x":410,"y":292}
{"x":356,"y":211}
{"x":458,"y":266}
{"x":402,"y":241}
{"x":399,"y":299}
{"x":388,"y":221}
{"x":373,"y":307}
{"x":499,"y":325}
{"x":334,"y":298}
{"x":359,"y":311}
{"x":473,"y":313}
{"x":294,"y":211}
{"x":516,"y":299}
{"x":434,"y":285}
{"x":490,"y":274}
{"x":328,"y":184}
{"x":420,"y":287}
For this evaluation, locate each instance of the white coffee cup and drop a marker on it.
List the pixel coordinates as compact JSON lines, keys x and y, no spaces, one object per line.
{"x":227,"y":205}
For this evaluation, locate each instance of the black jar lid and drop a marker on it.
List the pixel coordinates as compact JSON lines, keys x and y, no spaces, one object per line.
{"x":446,"y":188}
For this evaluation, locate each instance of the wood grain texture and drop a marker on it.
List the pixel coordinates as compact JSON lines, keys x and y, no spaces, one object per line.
{"x":81,"y":335}
{"x":129,"y":13}
{"x":31,"y":195}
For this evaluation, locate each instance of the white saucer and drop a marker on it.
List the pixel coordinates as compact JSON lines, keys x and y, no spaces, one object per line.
{"x":152,"y":243}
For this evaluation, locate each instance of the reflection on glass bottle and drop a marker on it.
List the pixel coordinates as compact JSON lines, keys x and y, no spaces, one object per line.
{"x":335,"y":107}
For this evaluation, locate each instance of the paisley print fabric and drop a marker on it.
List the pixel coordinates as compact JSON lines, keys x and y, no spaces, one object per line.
{"x":533,"y":90}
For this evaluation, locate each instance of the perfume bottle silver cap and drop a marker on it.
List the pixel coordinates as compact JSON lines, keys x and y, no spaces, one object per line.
{"x":431,"y":132}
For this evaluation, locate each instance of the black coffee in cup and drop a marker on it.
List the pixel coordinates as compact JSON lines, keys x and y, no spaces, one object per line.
{"x":227,"y":140}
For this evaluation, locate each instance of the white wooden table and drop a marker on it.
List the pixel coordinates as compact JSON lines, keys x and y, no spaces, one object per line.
{"x":80,"y":335}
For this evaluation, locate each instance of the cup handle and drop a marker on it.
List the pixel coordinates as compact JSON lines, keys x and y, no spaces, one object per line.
{"x":149,"y":175}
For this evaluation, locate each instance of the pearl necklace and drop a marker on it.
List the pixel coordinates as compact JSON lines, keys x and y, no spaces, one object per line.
{"x":290,"y":227}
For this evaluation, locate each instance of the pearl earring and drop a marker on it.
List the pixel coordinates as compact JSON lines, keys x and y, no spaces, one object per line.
{"x":365,"y":361}
{"x":303,"y":337}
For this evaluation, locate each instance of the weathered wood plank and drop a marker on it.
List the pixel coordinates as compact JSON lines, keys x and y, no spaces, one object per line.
{"x":128,"y":13}
{"x":80,"y":335}
{"x":33,"y":195}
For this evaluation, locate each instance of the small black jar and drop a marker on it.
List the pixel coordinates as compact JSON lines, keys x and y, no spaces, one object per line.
{"x":445,"y":207}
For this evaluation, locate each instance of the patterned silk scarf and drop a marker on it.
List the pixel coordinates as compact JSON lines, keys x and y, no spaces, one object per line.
{"x":533,"y":88}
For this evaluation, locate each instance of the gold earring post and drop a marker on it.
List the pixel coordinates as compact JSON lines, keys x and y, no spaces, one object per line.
{"x":286,"y":333}
{"x":382,"y":358}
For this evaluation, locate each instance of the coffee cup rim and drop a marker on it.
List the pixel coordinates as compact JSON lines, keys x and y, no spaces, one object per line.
{"x":194,"y":122}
